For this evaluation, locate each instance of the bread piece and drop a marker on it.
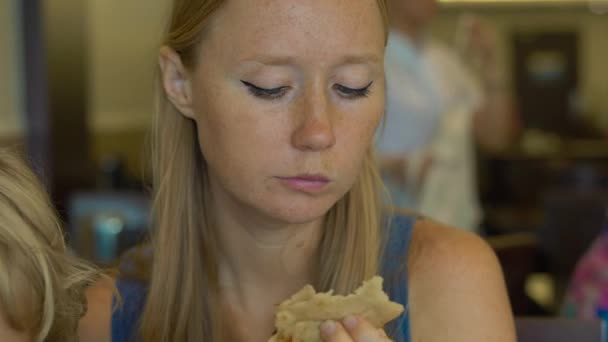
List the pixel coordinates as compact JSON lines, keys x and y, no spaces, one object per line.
{"x":299,"y":317}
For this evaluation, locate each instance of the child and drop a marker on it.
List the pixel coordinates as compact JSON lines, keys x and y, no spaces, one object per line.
{"x":587,"y":296}
{"x":41,"y":286}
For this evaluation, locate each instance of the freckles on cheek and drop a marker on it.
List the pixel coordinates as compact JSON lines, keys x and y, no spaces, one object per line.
{"x":356,"y":141}
{"x":355,"y":138}
{"x":365,"y":128}
{"x":233,"y":135}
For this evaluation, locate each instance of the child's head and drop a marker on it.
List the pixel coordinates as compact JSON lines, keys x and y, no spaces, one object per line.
{"x":41,"y":286}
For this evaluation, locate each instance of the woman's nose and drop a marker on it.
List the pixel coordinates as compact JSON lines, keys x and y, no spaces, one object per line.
{"x":315,"y":129}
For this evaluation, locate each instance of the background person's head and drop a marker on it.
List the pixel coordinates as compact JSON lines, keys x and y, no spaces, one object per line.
{"x":412,"y":17}
{"x":253,"y":91}
{"x":41,"y":286}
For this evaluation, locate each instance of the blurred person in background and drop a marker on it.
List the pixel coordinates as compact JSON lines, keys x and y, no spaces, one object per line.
{"x":42,"y":287}
{"x":587,"y":295}
{"x":436,"y":110}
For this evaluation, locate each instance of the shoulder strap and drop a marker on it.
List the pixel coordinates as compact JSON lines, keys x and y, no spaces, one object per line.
{"x":394,"y":270}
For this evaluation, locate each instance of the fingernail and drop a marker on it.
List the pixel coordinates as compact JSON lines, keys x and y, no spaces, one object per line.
{"x":328,"y":328}
{"x":350,"y":322}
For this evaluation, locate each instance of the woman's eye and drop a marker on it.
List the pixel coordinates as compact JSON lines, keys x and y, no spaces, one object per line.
{"x":264,"y":93}
{"x":353,"y":93}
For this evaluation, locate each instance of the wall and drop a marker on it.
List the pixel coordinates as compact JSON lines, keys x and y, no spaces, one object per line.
{"x":11,"y":126}
{"x":124,"y":37}
{"x":123,"y":45}
{"x":593,"y":32}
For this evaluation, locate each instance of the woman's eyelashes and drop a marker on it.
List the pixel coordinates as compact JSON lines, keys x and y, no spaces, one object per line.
{"x":265,"y":93}
{"x":278,"y":92}
{"x":353,"y":93}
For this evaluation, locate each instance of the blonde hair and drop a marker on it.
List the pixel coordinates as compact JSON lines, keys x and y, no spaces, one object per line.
{"x":182,"y":301}
{"x":41,"y":286}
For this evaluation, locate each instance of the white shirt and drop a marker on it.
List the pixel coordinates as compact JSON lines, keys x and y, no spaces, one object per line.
{"x":431,"y":99}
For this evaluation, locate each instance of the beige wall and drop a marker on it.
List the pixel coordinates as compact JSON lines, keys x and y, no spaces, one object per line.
{"x":593,"y":30}
{"x":124,"y":36}
{"x":11,"y":125}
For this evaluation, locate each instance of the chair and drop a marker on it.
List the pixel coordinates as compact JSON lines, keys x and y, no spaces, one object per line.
{"x":573,"y":220}
{"x":102,"y":225}
{"x":519,"y":257}
{"x":559,"y":330}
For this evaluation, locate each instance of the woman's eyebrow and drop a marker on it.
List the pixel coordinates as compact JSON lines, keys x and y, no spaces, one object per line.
{"x":369,"y":58}
{"x":270,"y":60}
{"x":278,"y":60}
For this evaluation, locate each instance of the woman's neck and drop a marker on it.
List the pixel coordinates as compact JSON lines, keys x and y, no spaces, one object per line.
{"x":252,"y":254}
{"x":257,"y":254}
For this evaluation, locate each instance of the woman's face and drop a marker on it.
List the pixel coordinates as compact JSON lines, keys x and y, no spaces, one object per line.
{"x":286,"y":95}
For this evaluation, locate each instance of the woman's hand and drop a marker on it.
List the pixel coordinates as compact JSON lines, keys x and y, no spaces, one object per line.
{"x":352,"y":329}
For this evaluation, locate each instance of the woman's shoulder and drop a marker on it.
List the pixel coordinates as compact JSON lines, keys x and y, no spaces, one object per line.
{"x":455,"y":278}
{"x":433,"y":242}
{"x":437,"y":244}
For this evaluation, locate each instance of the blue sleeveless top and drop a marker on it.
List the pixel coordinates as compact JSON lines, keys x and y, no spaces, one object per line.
{"x":125,"y":318}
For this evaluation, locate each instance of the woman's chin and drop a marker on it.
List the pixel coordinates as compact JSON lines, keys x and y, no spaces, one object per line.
{"x":300,"y":212}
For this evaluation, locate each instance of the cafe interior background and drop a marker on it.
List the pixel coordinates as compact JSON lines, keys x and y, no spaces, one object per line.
{"x":77,"y":77}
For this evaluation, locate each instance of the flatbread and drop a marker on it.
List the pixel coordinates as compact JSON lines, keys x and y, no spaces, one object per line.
{"x":299,"y":317}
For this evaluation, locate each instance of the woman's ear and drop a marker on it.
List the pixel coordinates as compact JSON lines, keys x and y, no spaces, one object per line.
{"x":176,"y":81}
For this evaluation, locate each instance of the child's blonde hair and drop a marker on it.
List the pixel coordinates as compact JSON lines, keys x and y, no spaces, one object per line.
{"x":41,"y":285}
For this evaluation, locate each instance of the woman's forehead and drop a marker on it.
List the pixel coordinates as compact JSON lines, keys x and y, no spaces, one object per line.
{"x":244,"y":28}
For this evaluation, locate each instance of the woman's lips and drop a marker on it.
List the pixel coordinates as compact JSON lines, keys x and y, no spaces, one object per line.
{"x":306,"y":183}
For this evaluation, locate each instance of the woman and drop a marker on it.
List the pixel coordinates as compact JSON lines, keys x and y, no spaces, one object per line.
{"x":42,"y":288}
{"x":265,"y":181}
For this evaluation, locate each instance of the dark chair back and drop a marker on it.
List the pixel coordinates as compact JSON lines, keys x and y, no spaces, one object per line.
{"x":573,"y":220}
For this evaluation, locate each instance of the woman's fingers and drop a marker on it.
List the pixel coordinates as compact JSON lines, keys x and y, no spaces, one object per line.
{"x":332,"y":331}
{"x":352,"y":329}
{"x":362,"y":331}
